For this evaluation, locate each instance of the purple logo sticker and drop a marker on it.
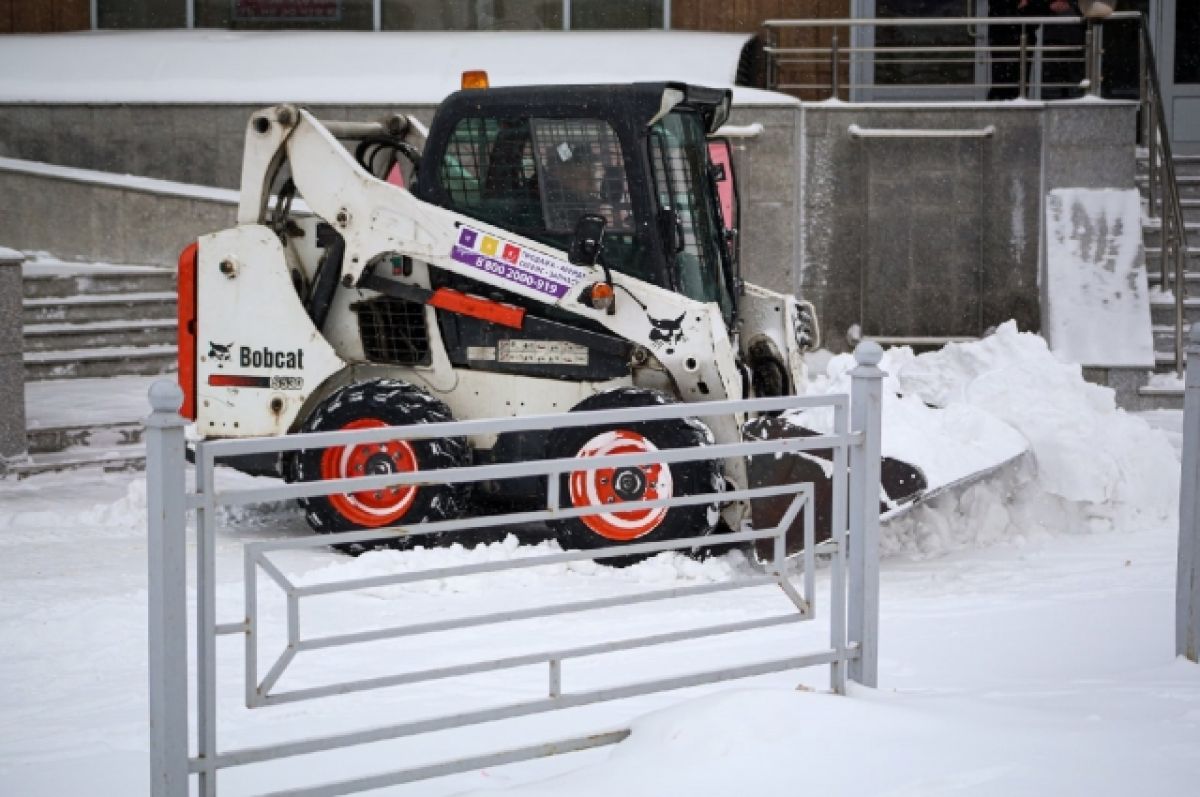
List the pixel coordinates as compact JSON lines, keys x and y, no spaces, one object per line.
{"x":467,"y":238}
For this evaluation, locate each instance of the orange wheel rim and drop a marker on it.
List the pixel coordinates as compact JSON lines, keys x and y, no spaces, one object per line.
{"x":371,"y":508}
{"x":614,"y":486}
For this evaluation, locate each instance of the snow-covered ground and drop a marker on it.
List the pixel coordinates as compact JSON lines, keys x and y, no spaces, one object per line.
{"x":1026,"y":629}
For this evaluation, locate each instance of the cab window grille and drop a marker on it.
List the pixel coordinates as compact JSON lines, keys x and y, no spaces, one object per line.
{"x":582,"y":171}
{"x":393,"y":331}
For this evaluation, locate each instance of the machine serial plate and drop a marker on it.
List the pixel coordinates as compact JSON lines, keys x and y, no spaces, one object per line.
{"x":550,"y":352}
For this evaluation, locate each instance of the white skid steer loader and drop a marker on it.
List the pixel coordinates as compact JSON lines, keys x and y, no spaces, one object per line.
{"x":548,"y":249}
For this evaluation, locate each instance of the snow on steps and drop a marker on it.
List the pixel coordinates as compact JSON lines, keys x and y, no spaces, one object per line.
{"x":102,"y":307}
{"x":78,"y":423}
{"x":101,"y":334}
{"x":109,"y":459}
{"x":96,"y":361}
{"x":97,"y":319}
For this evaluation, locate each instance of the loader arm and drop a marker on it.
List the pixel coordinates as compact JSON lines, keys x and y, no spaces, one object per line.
{"x":688,"y":338}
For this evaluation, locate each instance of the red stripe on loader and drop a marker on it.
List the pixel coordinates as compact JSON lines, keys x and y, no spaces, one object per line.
{"x":477,"y":307}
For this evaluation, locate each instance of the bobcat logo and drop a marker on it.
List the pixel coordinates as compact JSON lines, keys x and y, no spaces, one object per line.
{"x":667,"y":331}
{"x":220,"y":353}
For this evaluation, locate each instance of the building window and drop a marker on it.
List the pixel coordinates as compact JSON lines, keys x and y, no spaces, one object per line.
{"x":285,"y":14}
{"x":127,"y":14}
{"x":472,"y":14}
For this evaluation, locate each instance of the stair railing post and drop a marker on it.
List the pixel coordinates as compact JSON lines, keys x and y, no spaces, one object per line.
{"x":772,"y":65}
{"x":166,"y":528}
{"x":834,"y":57}
{"x":1187,"y":582}
{"x":866,"y":406}
{"x":1023,"y":66}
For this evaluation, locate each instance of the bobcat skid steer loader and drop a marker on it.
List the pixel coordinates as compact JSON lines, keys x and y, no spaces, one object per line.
{"x":545,"y":249}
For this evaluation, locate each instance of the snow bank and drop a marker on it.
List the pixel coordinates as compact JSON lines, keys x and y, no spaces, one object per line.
{"x":971,"y":406}
{"x":663,"y":569}
{"x":218,"y":66}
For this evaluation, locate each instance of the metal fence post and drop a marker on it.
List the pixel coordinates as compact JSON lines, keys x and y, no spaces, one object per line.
{"x":1187,"y":583}
{"x":167,"y":551}
{"x":866,"y":397}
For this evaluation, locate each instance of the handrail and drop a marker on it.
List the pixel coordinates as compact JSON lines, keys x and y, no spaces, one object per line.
{"x":1174,"y":231}
{"x":901,"y":22}
{"x":856,"y":131}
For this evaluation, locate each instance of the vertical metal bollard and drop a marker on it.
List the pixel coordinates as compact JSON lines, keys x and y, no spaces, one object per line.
{"x":1187,"y":582}
{"x":866,"y":405}
{"x":167,"y":560}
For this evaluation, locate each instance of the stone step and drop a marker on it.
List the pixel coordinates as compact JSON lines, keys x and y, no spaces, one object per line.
{"x":1162,"y":310}
{"x":1191,"y":279}
{"x":100,"y":436}
{"x":1152,"y":233}
{"x":1164,"y":336}
{"x":114,"y":361}
{"x":117,"y":458}
{"x":1189,"y":185}
{"x":85,"y":309}
{"x":1154,"y":255}
{"x":73,"y":279}
{"x":100,"y":334}
{"x":1160,"y":398}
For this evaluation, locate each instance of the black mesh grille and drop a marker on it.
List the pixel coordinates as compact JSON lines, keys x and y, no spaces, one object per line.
{"x":582,"y":171}
{"x":393,"y":331}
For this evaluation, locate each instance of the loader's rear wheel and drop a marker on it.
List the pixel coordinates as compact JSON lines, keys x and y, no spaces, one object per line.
{"x":615,"y":486}
{"x":372,"y":405}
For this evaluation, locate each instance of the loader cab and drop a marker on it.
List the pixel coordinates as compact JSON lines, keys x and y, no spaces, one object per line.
{"x":534,"y":160}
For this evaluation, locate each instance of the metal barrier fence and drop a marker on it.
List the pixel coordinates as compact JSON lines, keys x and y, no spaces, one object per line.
{"x":852,"y":651}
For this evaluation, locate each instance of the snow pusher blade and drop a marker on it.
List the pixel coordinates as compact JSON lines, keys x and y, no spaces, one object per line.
{"x":902,"y":483}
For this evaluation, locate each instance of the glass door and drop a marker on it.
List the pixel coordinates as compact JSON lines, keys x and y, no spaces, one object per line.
{"x":942,"y":67}
{"x":1179,"y":72}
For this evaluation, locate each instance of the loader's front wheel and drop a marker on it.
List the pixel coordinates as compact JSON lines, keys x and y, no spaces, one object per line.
{"x":370,"y":405}
{"x":614,"y":486}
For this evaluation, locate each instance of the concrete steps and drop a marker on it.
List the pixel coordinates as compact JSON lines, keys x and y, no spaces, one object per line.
{"x":93,"y":362}
{"x":1160,"y":391}
{"x":99,"y":334}
{"x":96,"y":320}
{"x":104,"y":307}
{"x":95,"y":335}
{"x":85,"y":423}
{"x":108,"y":459}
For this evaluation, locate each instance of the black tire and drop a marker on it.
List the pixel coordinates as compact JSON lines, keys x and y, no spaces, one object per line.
{"x":380,"y":402}
{"x":686,"y":478}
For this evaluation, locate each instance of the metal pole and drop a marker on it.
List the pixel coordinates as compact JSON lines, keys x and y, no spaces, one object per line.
{"x":1187,"y":583}
{"x":167,"y":564}
{"x":833,"y":66}
{"x":866,"y":401}
{"x":377,"y":15}
{"x":1089,"y":48}
{"x":1151,"y":111}
{"x":566,"y":7}
{"x":772,"y":67}
{"x":1023,"y":66}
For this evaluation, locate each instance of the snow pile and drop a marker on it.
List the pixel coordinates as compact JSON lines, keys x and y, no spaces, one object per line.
{"x":663,"y":569}
{"x":970,"y":406}
{"x":1097,"y":299}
